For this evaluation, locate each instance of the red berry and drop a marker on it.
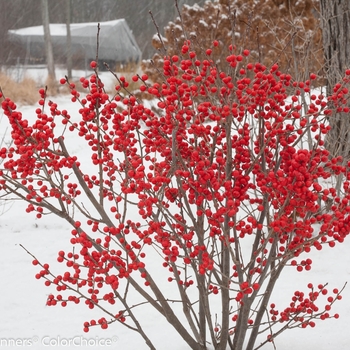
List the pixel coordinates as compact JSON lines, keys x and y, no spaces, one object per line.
{"x":184,"y":49}
{"x":313,"y":76}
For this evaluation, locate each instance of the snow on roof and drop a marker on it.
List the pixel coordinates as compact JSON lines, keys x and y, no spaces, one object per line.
{"x":59,"y":29}
{"x":116,"y":41}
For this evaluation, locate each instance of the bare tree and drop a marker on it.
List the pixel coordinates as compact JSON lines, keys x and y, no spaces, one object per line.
{"x":336,"y":42}
{"x":69,"y":39}
{"x":47,"y":38}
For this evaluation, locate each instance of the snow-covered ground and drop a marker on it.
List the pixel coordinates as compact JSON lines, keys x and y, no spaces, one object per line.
{"x":26,"y":322}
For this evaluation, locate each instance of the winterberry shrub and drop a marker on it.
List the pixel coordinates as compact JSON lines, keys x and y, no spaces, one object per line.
{"x":226,"y":186}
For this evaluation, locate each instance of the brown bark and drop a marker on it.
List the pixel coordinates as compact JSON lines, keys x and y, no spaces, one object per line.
{"x":47,"y":38}
{"x":69,"y":39}
{"x":336,"y":41}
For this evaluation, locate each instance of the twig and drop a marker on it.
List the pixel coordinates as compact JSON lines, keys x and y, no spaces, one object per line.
{"x":158,"y":33}
{"x":97,"y":42}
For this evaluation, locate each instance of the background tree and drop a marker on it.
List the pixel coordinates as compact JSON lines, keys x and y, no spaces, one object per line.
{"x":336,"y":43}
{"x":69,"y":39}
{"x":12,"y":15}
{"x":48,"y":43}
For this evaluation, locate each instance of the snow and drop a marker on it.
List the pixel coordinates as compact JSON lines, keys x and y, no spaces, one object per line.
{"x":203,"y":23}
{"x":27,"y":320}
{"x":58,"y":29}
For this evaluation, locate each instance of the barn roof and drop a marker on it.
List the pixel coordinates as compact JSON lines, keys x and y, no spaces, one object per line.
{"x":116,"y":41}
